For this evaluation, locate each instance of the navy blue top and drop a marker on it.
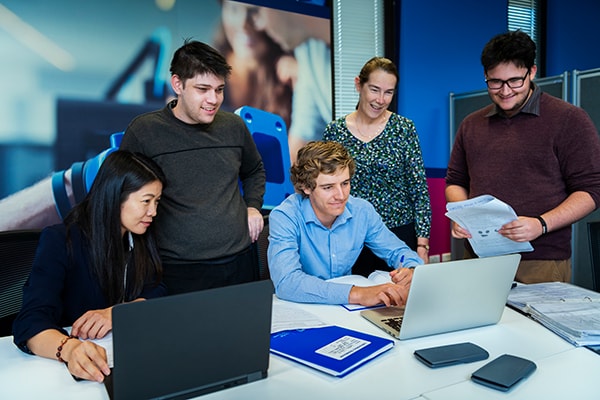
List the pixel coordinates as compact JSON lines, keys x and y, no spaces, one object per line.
{"x":61,"y":286}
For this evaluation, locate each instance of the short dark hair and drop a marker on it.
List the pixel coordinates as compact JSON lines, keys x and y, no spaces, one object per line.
{"x":319,"y":157}
{"x":515,"y":46}
{"x":197,"y":58}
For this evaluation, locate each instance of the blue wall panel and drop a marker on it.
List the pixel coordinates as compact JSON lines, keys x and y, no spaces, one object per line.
{"x":440,"y":44}
{"x":573,"y":36}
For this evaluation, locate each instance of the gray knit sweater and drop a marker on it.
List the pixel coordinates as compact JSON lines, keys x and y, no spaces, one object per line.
{"x":203,"y":213}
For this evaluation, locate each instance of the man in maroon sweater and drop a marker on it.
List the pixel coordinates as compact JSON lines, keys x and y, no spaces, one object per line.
{"x":539,"y":154}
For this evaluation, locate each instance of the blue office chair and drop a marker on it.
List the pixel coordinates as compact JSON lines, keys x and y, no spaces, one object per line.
{"x":83,"y":174}
{"x":270,"y":135}
{"x":93,"y":164}
{"x":262,"y":246}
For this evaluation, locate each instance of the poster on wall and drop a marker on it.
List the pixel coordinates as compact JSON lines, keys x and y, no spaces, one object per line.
{"x":73,"y":76}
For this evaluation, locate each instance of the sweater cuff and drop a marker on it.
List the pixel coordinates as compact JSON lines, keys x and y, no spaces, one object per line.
{"x":254,"y":203}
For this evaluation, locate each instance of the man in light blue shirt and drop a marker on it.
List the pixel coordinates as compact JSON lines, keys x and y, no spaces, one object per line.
{"x":317,"y":234}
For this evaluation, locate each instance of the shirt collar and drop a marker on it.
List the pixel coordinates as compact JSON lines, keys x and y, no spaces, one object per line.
{"x":311,"y":217}
{"x":531,"y":107}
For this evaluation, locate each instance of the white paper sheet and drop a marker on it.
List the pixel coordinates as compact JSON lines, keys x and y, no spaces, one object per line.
{"x":483,"y":216}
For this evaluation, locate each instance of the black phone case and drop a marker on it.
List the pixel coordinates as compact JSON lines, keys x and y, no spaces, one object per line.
{"x":452,"y":354}
{"x":503,"y":372}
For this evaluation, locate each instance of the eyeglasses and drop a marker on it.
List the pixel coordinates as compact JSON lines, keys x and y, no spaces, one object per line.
{"x":513,"y":83}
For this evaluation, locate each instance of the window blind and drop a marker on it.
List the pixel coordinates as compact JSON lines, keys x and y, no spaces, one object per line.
{"x":355,"y":41}
{"x":524,"y":15}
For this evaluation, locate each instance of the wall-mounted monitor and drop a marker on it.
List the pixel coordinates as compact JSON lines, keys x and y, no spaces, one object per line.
{"x":274,"y":68}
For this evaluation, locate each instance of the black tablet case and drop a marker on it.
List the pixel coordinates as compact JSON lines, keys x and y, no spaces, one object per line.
{"x":458,"y":353}
{"x":503,"y":372}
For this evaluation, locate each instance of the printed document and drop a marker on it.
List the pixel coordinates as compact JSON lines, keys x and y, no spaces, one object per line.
{"x":483,"y":216}
{"x":376,"y":277}
{"x":288,"y":316}
{"x":570,"y":311}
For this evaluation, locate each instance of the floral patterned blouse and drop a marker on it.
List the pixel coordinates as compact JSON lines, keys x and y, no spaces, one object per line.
{"x":389,"y":172}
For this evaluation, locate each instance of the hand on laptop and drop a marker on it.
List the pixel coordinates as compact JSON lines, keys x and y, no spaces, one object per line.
{"x":87,"y":360}
{"x":94,"y":324}
{"x":84,"y":359}
{"x":389,"y":294}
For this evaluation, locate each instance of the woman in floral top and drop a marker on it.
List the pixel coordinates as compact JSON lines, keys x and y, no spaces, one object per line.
{"x":389,"y":166}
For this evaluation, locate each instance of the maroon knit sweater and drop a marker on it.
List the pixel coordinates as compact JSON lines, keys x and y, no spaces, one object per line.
{"x":531,"y":161}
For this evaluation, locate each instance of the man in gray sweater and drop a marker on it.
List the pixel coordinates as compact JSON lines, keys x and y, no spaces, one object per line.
{"x":206,"y":224}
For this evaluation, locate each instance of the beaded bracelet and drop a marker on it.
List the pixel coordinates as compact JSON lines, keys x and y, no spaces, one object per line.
{"x":60,"y":347}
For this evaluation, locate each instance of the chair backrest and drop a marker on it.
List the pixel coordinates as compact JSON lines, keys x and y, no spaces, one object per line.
{"x":594,"y":238}
{"x":93,"y":164}
{"x":17,"y":250}
{"x":270,"y":135}
{"x":263,"y":244}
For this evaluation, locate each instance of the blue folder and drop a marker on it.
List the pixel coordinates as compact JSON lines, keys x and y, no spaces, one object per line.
{"x":332,"y":349}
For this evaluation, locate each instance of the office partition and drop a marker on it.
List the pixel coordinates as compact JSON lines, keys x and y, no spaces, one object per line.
{"x":586,"y":86}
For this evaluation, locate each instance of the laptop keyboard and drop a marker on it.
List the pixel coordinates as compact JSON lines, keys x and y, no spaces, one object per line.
{"x":394,"y":322}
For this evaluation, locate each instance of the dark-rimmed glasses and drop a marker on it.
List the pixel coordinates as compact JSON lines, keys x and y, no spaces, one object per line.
{"x":513,"y":83}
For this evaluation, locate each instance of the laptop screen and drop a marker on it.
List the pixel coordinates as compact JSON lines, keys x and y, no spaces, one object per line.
{"x":190,"y":344}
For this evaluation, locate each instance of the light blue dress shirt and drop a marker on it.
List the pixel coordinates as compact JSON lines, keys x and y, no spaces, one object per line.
{"x":303,"y":253}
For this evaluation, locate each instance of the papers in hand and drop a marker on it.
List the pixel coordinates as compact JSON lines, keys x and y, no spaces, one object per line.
{"x":483,"y":216}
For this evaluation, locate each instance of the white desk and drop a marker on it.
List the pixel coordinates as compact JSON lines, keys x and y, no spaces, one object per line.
{"x":563,"y":370}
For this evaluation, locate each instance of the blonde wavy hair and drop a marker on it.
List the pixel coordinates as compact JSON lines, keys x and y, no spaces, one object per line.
{"x":319,"y":157}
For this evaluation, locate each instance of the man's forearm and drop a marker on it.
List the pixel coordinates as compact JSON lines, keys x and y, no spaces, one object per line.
{"x":456,"y":193}
{"x":571,"y":210}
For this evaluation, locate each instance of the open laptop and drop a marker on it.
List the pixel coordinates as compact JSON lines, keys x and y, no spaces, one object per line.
{"x":450,"y":296}
{"x":186,"y":345}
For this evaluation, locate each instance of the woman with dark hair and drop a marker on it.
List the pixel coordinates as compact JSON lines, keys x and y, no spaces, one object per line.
{"x":103,"y":254}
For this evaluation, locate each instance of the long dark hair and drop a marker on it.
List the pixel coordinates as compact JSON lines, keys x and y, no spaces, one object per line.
{"x":98,"y":217}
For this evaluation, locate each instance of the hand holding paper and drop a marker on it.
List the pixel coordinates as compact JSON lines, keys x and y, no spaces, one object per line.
{"x":483,"y":216}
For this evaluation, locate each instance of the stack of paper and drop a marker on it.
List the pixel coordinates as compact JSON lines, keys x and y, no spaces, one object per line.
{"x":570,"y":311}
{"x":578,"y":322}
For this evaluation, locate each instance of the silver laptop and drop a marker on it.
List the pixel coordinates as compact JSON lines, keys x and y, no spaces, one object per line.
{"x":450,"y":296}
{"x":186,"y":345}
